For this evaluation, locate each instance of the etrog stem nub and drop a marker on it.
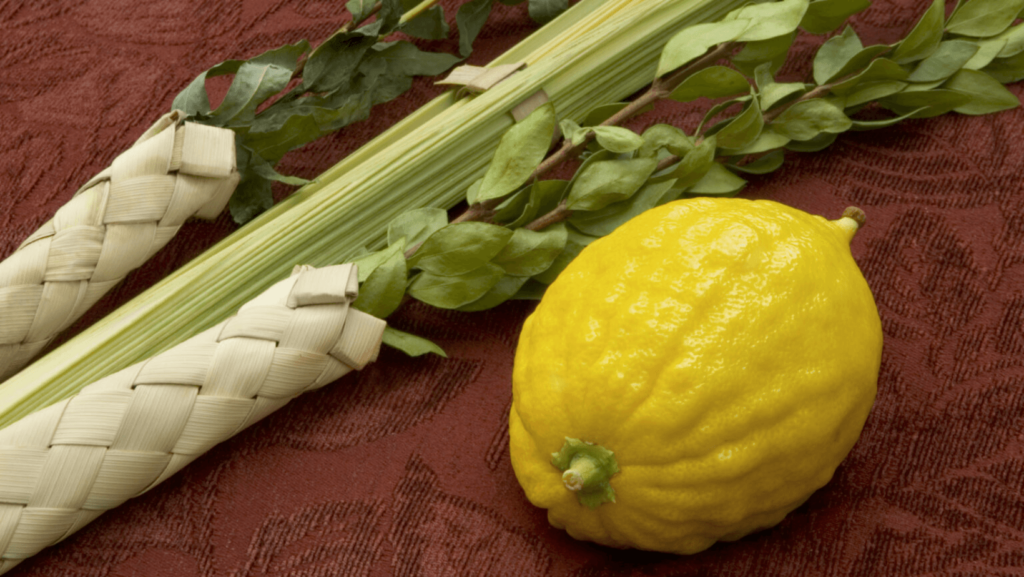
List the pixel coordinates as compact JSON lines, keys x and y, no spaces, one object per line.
{"x":588,"y":468}
{"x":852,"y":220}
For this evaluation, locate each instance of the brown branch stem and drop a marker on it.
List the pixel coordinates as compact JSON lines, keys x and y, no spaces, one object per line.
{"x":661,"y":88}
{"x":558,"y":214}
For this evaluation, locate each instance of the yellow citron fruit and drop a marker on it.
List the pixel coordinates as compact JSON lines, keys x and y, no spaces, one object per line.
{"x":695,"y":375}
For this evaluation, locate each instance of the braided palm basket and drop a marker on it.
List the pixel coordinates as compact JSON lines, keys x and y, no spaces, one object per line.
{"x":63,"y":466}
{"x":112,"y":225}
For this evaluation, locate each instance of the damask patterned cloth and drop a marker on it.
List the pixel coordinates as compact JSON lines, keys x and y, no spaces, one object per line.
{"x":404,"y":468}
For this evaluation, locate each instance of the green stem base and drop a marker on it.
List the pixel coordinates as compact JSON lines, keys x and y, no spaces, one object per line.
{"x":587,"y":471}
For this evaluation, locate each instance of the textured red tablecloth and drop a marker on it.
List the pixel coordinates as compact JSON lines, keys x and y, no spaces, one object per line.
{"x":405,"y":471}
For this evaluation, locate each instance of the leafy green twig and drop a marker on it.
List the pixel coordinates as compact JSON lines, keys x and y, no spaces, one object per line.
{"x":660,"y":89}
{"x":339,"y":82}
{"x":521,"y":231}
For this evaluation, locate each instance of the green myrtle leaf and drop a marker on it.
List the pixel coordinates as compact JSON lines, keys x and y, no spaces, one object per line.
{"x":531,"y":252}
{"x":430,"y":25}
{"x":777,"y":93}
{"x":923,"y":86}
{"x":473,"y":191}
{"x":948,"y":58}
{"x":862,"y":125}
{"x":711,"y":82}
{"x":987,"y":94}
{"x":763,"y":165}
{"x":805,"y":120}
{"x":531,"y":291}
{"x":1007,"y":70}
{"x":718,"y":108}
{"x":763,"y":76}
{"x":1014,"y":42}
{"x":415,"y":226}
{"x":694,"y":41}
{"x":873,"y":91}
{"x":575,"y":242}
{"x":544,"y":196}
{"x":928,"y":103}
{"x":835,"y":100}
{"x":743,"y":129}
{"x":519,"y":152}
{"x":858,"y":61}
{"x":988,"y":50}
{"x":826,"y":15}
{"x":470,"y":19}
{"x":544,"y":11}
{"x":771,"y":92}
{"x":410,"y":344}
{"x":601,"y":183}
{"x":692,"y":167}
{"x":880,"y":69}
{"x":861,"y":60}
{"x":366,"y":264}
{"x":834,"y":54}
{"x":770,"y":19}
{"x":383,"y":290}
{"x":360,"y":9}
{"x":602,"y":222}
{"x":768,"y":140}
{"x":820,"y":142}
{"x":925,"y":37}
{"x":454,"y":291}
{"x":617,"y":139}
{"x":512,"y":207}
{"x":772,"y":51}
{"x":664,"y":136}
{"x":459,"y":248}
{"x":572,"y":131}
{"x":984,"y":18}
{"x":589,"y":158}
{"x":506,"y":288}
{"x":719,"y":181}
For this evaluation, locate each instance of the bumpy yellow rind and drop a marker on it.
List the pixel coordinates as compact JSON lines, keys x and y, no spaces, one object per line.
{"x":726,"y":350}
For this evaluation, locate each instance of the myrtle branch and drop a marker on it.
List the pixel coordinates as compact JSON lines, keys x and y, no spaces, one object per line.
{"x":661,"y":88}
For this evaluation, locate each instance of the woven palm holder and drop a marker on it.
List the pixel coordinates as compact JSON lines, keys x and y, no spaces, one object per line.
{"x":112,"y":225}
{"x":63,"y":466}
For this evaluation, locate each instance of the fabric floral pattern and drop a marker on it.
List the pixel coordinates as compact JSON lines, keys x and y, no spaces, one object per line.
{"x":403,"y":469}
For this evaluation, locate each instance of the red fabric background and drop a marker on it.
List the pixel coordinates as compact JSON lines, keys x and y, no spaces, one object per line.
{"x":405,"y":471}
